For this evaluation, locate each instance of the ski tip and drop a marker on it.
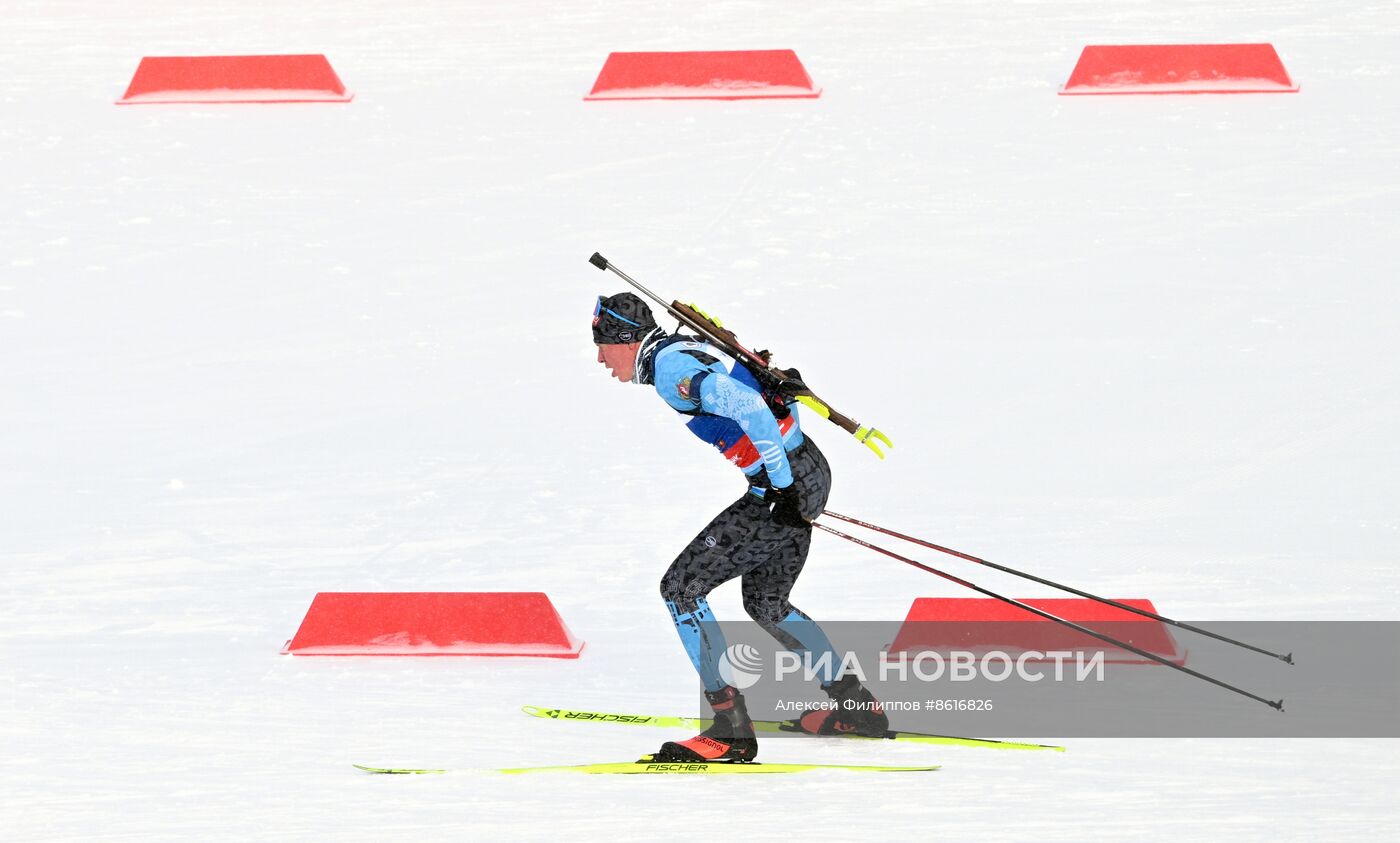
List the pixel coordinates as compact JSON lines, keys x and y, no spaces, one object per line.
{"x":1020,"y":745}
{"x":990,"y":743}
{"x":394,"y":771}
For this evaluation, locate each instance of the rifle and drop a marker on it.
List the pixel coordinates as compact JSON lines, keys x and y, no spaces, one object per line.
{"x":786,"y":383}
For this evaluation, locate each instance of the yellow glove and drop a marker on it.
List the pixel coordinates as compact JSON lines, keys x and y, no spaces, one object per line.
{"x":714,"y":320}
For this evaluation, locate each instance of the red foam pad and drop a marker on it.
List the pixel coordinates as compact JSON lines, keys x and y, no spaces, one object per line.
{"x":942,"y":624}
{"x":470,"y":623}
{"x":1179,"y":69}
{"x":208,"y":79}
{"x":713,"y":75}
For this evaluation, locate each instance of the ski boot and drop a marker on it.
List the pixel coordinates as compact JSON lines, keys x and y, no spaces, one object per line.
{"x":855,"y":711}
{"x":729,"y":738}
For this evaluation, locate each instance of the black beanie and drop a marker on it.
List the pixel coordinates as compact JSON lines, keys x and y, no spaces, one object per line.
{"x":621,"y":319}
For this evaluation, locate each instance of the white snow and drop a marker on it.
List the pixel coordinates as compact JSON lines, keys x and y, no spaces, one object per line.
{"x":714,"y":89}
{"x":1129,"y":83}
{"x":1146,"y":345}
{"x":237,"y":95}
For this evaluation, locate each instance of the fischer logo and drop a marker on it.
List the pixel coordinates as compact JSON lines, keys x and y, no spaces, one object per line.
{"x":607,"y":718}
{"x":741,"y":665}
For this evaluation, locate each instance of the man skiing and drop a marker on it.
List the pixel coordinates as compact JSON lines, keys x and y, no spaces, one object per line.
{"x":763,"y":537}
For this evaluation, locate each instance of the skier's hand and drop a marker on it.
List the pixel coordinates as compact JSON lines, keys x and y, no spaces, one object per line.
{"x":787,"y":506}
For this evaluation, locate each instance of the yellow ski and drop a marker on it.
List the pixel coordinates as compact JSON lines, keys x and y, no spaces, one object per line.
{"x":698,"y":723}
{"x":646,"y":766}
{"x":397,"y":771}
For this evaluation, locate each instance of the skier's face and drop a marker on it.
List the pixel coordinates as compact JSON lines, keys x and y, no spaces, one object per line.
{"x":620,"y":359}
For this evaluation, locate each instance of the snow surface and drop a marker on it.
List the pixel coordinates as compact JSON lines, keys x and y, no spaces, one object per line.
{"x":237,"y":95}
{"x":1146,"y":345}
{"x":717,"y":89}
{"x":1127,"y":83}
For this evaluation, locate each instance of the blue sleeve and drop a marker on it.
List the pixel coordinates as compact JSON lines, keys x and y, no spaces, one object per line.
{"x":677,"y":377}
{"x":724,"y":396}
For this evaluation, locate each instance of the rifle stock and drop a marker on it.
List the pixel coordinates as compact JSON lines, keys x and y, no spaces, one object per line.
{"x":780,"y":380}
{"x":721,"y":337}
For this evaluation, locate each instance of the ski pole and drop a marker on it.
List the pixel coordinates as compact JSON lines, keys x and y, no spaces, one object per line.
{"x":781,"y":381}
{"x":1288,"y":658}
{"x":1108,"y":639}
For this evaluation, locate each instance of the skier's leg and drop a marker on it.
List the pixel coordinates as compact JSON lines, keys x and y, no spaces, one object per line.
{"x":719,"y":553}
{"x":766,"y":590}
{"x":784,"y":553}
{"x":853,"y":707}
{"x":709,"y":560}
{"x":702,"y":638}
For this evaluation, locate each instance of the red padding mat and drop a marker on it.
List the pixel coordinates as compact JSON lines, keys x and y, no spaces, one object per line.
{"x":222,"y":79}
{"x":712,"y":75}
{"x":1179,"y":69}
{"x":434,"y":623}
{"x":942,"y":624}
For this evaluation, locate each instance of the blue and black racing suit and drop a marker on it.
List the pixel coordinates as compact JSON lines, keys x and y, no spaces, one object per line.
{"x":728,"y":408}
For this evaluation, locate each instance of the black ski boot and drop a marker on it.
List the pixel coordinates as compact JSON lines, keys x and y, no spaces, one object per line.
{"x":730,"y":738}
{"x":855,"y":711}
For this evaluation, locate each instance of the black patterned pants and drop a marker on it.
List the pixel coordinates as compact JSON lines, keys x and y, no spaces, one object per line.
{"x":744,"y":541}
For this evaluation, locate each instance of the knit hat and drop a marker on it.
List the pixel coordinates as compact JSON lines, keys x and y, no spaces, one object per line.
{"x":621,"y":319}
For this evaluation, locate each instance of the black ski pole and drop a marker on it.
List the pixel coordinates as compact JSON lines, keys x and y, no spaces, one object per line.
{"x":1108,"y":639}
{"x":1288,"y":658}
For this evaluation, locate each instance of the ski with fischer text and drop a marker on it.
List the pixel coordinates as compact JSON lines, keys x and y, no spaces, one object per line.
{"x":646,"y":766}
{"x":767,"y":726}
